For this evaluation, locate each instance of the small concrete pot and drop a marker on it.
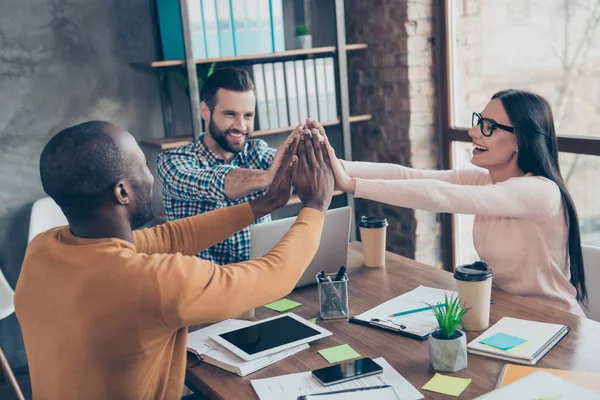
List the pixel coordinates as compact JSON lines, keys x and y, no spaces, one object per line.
{"x":304,"y":42}
{"x":448,"y":355}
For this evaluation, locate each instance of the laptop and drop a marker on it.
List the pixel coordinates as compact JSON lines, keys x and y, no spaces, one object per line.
{"x":333,"y":249}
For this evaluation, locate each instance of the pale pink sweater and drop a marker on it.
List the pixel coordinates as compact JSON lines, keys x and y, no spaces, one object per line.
{"x":519,"y":229}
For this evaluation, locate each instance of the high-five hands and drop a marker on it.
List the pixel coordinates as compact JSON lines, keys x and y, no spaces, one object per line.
{"x":313,"y":177}
{"x":307,"y":159}
{"x":343,"y":181}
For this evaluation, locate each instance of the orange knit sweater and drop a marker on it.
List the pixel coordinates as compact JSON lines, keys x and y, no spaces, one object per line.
{"x":107,"y":319}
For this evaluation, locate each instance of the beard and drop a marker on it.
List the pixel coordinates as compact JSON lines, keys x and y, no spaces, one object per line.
{"x":143,"y":212}
{"x":221,"y":137}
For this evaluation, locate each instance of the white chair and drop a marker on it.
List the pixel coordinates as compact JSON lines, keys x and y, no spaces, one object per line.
{"x":591,"y":263}
{"x":45,"y":214}
{"x":7,"y":308}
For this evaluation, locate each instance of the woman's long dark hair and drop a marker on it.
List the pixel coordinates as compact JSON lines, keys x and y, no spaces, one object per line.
{"x":531,"y":116}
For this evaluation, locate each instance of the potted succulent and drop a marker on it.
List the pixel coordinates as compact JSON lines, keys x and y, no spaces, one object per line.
{"x":303,"y":37}
{"x":448,"y":344}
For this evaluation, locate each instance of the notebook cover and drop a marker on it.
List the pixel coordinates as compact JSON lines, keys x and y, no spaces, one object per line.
{"x":512,"y":372}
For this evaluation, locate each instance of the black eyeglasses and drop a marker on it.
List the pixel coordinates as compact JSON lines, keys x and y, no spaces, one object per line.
{"x":487,"y":125}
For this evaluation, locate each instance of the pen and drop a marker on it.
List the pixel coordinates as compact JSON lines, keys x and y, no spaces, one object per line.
{"x":340,"y":273}
{"x":416,"y":310}
{"x":360,"y":389}
{"x":333,"y":295}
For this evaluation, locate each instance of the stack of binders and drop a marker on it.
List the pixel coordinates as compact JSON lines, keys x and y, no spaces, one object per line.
{"x":222,"y":28}
{"x":289,"y":92}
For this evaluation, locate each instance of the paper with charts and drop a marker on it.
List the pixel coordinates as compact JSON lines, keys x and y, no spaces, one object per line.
{"x":289,"y":387}
{"x":420,"y":323}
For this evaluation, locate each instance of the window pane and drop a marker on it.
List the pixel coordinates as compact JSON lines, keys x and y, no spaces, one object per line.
{"x":464,"y":251}
{"x":579,"y":172}
{"x":551,"y":47}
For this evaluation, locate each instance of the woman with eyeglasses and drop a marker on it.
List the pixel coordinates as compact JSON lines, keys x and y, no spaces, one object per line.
{"x":526,"y":226}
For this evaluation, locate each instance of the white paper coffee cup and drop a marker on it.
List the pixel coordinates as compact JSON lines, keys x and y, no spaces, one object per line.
{"x":373,"y":236}
{"x":474,"y":284}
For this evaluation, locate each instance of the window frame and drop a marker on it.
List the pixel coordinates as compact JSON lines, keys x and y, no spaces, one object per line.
{"x":586,"y":145}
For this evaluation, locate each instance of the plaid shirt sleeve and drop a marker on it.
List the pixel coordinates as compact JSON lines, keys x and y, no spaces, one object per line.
{"x":184,"y":178}
{"x":265,"y":154}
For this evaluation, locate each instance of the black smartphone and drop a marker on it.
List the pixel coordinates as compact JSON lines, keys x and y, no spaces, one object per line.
{"x":347,"y":371}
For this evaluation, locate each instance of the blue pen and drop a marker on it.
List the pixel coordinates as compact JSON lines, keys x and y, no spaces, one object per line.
{"x":416,"y":310}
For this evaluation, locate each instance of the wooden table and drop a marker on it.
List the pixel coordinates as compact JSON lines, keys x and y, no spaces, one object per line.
{"x":369,"y":287}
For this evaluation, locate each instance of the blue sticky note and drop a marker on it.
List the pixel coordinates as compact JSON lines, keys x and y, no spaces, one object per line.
{"x":503,"y":341}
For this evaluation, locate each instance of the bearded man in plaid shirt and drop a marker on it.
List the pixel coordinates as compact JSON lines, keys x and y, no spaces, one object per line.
{"x":222,"y":167}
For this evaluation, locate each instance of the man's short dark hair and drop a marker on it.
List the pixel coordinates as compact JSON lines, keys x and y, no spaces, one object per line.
{"x":80,"y":165}
{"x":229,"y":78}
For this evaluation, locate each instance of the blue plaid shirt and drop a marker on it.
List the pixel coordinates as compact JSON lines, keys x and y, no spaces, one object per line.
{"x":193,"y":182}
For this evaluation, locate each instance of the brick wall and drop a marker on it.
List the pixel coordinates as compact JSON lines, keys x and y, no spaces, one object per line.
{"x":394,"y":81}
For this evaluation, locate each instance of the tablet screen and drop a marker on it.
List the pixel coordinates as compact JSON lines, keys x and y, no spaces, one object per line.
{"x":267,"y":335}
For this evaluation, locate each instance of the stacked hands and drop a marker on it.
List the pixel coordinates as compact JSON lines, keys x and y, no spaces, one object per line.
{"x":307,"y":161}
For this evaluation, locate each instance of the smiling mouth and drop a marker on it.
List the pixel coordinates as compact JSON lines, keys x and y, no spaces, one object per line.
{"x":480,"y":148}
{"x":237,"y":134}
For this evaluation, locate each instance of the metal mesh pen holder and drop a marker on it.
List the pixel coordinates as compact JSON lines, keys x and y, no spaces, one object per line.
{"x":333,"y":297}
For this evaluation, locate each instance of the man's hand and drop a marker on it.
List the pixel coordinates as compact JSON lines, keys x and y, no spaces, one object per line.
{"x":280,"y":189}
{"x":313,"y":177}
{"x":280,"y":153}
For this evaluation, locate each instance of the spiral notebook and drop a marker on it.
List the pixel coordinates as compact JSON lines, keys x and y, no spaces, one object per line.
{"x":540,"y":338}
{"x":416,"y":325}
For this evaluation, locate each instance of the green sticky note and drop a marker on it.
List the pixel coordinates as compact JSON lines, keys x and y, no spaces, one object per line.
{"x":447,"y":385}
{"x":339,"y":353}
{"x":283,"y":305}
{"x":503,"y":341}
{"x":313,"y":321}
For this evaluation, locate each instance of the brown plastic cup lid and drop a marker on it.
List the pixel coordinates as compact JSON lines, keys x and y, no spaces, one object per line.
{"x":373,"y":222}
{"x":476,"y":272}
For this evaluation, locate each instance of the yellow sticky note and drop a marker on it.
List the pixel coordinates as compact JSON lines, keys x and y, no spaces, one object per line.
{"x":283,"y":305}
{"x":312,"y":320}
{"x":339,"y":353}
{"x":447,"y":385}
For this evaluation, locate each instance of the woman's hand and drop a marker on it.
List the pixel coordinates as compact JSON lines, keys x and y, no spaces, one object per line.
{"x":343,"y":181}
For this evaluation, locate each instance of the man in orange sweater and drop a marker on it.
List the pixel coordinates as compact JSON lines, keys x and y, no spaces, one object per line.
{"x":104,"y":309}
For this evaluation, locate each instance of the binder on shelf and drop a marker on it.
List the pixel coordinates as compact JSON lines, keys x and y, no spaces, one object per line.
{"x":292,"y":96}
{"x":271,"y":96}
{"x":226,"y":43}
{"x":197,"y":29}
{"x":261,"y":98}
{"x":322,"y":91}
{"x":240,"y":27}
{"x":311,"y":90}
{"x":301,"y":90}
{"x":171,"y":31}
{"x":265,"y":42}
{"x":211,"y":33}
{"x":331,"y":88}
{"x":282,"y":112}
{"x":277,"y":25}
{"x":253,"y":27}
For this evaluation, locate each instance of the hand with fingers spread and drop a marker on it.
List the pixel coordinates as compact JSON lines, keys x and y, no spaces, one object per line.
{"x":280,"y":189}
{"x":281,"y":151}
{"x":313,"y":177}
